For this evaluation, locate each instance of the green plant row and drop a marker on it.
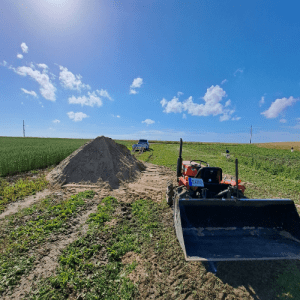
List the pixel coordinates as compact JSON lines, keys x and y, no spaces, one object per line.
{"x":22,"y":188}
{"x":25,"y":154}
{"x":29,"y":228}
{"x":80,"y":273}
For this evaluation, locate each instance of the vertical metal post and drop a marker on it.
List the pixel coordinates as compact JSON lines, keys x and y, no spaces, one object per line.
{"x":250,"y":134}
{"x":236,"y":177}
{"x":23,"y":129}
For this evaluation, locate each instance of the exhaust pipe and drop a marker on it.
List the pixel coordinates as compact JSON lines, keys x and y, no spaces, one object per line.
{"x":236,"y":178}
{"x":179,"y":161}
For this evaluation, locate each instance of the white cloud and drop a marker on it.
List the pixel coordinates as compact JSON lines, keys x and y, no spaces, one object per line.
{"x":4,"y":63}
{"x":278,"y":106}
{"x":163,"y":102}
{"x":70,"y":81}
{"x":24,"y":48}
{"x":148,"y":121}
{"x":137,"y":82}
{"x":282,"y":120}
{"x":238,"y":71}
{"x":261,"y":101}
{"x":76,"y":116}
{"x":227,"y":115}
{"x":212,"y":105}
{"x":132,"y":91}
{"x":228,"y":103}
{"x":91,"y":100}
{"x":22,"y":103}
{"x":20,"y":56}
{"x":47,"y":89}
{"x":56,"y":121}
{"x":43,"y":66}
{"x":236,"y":118}
{"x":172,"y":106}
{"x":184,"y":116}
{"x":212,"y":97}
{"x":224,"y":118}
{"x":32,"y":93}
{"x":118,"y":116}
{"x":179,"y":94}
{"x":104,"y":93}
{"x":224,"y":81}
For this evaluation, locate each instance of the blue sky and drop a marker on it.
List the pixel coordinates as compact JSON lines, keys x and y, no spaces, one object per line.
{"x":197,"y":70}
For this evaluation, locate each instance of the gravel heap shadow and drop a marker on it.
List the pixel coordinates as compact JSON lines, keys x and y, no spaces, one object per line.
{"x":99,"y":161}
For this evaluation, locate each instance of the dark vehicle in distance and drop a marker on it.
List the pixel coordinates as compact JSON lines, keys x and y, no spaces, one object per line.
{"x":141,"y":145}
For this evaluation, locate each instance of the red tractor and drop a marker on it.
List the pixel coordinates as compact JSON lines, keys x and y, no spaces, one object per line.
{"x":215,"y":222}
{"x":203,"y":181}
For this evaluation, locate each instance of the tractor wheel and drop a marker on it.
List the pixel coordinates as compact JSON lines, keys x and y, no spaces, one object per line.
{"x":170,"y":193}
{"x":241,"y":195}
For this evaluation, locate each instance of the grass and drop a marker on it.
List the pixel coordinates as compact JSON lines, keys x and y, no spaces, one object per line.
{"x":22,"y":188}
{"x":81,"y":275}
{"x":24,"y":154}
{"x":28,"y":229}
{"x":288,"y":284}
{"x":281,"y":145}
{"x":274,"y":173}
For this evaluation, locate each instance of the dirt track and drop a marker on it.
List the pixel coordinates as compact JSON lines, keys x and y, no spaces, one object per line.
{"x":149,"y":184}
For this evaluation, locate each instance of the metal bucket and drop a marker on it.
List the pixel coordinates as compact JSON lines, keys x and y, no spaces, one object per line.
{"x":243,"y":229}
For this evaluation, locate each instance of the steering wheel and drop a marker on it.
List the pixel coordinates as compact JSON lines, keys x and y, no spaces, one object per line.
{"x":200,"y":161}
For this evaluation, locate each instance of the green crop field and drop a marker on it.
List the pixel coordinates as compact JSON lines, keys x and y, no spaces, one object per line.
{"x":272,"y":173}
{"x":25,"y":154}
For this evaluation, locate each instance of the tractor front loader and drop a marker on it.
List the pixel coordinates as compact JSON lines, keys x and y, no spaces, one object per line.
{"x":214,"y":221}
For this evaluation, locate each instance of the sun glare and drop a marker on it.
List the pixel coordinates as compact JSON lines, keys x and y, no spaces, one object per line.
{"x":58,"y":3}
{"x":58,"y":12}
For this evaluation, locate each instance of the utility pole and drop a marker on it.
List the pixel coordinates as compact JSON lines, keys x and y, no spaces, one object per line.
{"x":250,"y":134}
{"x":23,"y":129}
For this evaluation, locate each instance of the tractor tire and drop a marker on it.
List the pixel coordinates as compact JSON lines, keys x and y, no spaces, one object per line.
{"x":240,"y":195}
{"x":170,"y":193}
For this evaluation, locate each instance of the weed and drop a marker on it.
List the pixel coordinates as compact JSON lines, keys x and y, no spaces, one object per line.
{"x":24,"y":234}
{"x":19,"y":190}
{"x":78,"y":273}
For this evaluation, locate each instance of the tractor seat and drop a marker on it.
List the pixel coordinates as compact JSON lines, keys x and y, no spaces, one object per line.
{"x":210,"y":174}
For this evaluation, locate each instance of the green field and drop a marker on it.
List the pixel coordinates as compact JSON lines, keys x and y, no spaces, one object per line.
{"x":273,"y":173}
{"x":25,"y":154}
{"x":145,"y":228}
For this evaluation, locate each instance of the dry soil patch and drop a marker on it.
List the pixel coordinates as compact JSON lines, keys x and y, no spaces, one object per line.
{"x":14,"y":207}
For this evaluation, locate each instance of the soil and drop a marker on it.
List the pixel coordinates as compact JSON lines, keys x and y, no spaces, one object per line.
{"x":150,"y":184}
{"x":48,"y":254}
{"x":16,"y":206}
{"x":139,"y":273}
{"x":100,"y":161}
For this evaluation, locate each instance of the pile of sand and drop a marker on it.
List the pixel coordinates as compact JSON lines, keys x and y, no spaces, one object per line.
{"x":98,"y":161}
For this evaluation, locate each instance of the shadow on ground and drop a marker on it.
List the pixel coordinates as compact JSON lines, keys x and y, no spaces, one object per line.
{"x":262,"y":279}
